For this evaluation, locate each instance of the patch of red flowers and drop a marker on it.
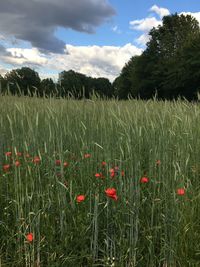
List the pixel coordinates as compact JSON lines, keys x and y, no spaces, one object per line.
{"x":80,"y":198}
{"x":65,"y":164}
{"x":17,"y":163}
{"x":112,"y":173}
{"x":8,"y":154}
{"x":30,"y":237}
{"x":36,"y":160}
{"x":58,"y":162}
{"x":112,"y":193}
{"x":144,"y":180}
{"x":87,"y":155}
{"x":158,"y":162}
{"x":6,"y":167}
{"x":99,"y":175}
{"x":180,"y":191}
{"x":122,"y":173}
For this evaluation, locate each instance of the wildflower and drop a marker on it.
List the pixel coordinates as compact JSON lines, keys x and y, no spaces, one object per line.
{"x":80,"y":198}
{"x":58,"y":162}
{"x":36,"y":160}
{"x":30,"y":237}
{"x":180,"y":191}
{"x":158,"y":162}
{"x":103,"y":163}
{"x":6,"y":167}
{"x":144,"y":180}
{"x":112,"y":193}
{"x":122,"y":173}
{"x":17,"y":163}
{"x":65,"y":164}
{"x":8,"y":154}
{"x":98,"y":175}
{"x":112,"y":173}
{"x":86,"y":156}
{"x":19,"y":154}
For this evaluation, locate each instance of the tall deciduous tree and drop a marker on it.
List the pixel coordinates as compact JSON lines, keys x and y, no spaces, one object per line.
{"x":23,"y":80}
{"x":160,"y":68}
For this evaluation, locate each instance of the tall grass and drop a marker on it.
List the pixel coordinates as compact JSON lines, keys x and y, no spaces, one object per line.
{"x":150,"y":225}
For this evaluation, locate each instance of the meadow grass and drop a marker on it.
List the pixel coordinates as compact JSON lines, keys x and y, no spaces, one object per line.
{"x":149,"y":225}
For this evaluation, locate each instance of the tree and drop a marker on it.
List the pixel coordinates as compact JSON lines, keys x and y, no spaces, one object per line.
{"x":125,"y":85}
{"x":48,"y":87}
{"x":101,"y":86}
{"x":24,"y":80}
{"x":73,"y":83}
{"x":80,"y":85}
{"x":159,"y":69}
{"x":2,"y":84}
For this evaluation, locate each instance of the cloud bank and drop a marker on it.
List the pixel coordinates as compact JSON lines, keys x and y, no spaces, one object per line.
{"x":36,"y":21}
{"x":95,"y":61}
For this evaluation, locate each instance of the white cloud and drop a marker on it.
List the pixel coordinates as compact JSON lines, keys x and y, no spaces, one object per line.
{"x":116,"y":29}
{"x":2,"y":70}
{"x":21,"y":56}
{"x":160,"y":11}
{"x":95,"y":61}
{"x":144,"y":24}
{"x":142,"y":39}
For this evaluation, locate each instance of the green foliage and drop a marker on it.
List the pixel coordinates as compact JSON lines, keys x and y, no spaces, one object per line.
{"x":79,"y":85}
{"x":23,"y":81}
{"x":48,"y":87}
{"x":171,"y":52}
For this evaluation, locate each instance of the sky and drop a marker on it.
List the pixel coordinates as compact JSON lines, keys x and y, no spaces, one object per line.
{"x":94,"y":37}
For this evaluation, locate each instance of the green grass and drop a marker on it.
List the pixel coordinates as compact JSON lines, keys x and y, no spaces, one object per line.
{"x":148,"y":226}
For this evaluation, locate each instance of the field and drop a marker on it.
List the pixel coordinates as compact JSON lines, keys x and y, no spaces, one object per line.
{"x":99,"y":183}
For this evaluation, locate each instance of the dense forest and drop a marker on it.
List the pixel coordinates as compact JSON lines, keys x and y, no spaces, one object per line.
{"x":168,"y":68}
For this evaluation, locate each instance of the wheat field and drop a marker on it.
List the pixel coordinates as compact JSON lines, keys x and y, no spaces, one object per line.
{"x":99,"y":183}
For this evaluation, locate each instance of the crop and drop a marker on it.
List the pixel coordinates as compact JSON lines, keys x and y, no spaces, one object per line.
{"x":99,"y":183}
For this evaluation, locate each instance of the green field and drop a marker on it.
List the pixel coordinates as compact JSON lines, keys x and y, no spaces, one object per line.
{"x":61,"y":149}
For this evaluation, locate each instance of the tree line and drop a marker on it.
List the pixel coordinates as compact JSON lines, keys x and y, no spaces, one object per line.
{"x":26,"y":81}
{"x":169,"y":68}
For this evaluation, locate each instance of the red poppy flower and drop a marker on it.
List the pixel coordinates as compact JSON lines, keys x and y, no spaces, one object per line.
{"x":58,"y":162}
{"x":17,"y":163}
{"x":98,"y":175}
{"x":122,"y":173}
{"x":36,"y":160}
{"x":65,"y":164}
{"x":103,"y":163}
{"x":19,"y":154}
{"x":86,"y":156}
{"x":6,"y":167}
{"x":112,"y":173}
{"x":144,"y":180}
{"x":80,"y":198}
{"x":8,"y":154}
{"x":30,"y":237}
{"x":158,"y":162}
{"x":180,"y":191}
{"x":112,"y":193}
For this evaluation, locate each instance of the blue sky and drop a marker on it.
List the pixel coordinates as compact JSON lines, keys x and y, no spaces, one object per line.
{"x":126,"y":11}
{"x":95,"y":37}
